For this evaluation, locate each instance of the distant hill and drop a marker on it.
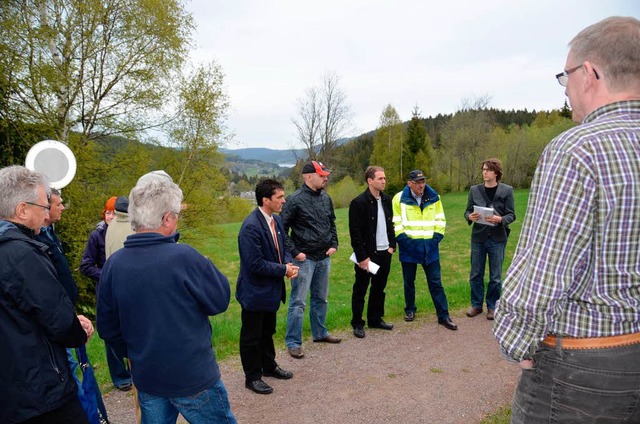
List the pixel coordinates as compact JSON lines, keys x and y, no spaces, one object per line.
{"x":279,"y":157}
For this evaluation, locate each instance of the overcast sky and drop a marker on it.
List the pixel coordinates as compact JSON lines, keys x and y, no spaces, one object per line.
{"x":432,"y":54}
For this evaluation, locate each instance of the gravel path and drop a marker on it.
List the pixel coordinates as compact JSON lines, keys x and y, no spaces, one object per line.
{"x":419,"y":372}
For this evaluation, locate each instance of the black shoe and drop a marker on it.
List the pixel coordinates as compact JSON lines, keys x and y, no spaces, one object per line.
{"x":259,"y":387}
{"x":278,"y":373}
{"x":359,"y":332}
{"x":409,"y":316}
{"x":448,"y":324}
{"x":382,"y":324}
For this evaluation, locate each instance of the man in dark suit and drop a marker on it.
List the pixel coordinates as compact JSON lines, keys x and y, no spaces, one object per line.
{"x":488,"y":236}
{"x":373,"y":240}
{"x":264,"y":262}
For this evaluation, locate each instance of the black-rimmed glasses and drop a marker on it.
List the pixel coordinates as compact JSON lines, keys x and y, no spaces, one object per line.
{"x":47,"y":207}
{"x":563,"y":77}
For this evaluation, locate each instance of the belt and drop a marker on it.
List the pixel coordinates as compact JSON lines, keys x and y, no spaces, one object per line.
{"x":593,"y":342}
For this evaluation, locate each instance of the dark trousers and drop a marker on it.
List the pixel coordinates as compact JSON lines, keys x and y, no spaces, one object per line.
{"x":375,"y":307}
{"x":580,"y":386}
{"x":69,"y":413}
{"x":432,"y":273}
{"x":257,"y":352}
{"x":118,"y":370}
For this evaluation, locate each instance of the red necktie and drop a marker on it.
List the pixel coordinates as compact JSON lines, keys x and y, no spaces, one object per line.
{"x":275,"y":238}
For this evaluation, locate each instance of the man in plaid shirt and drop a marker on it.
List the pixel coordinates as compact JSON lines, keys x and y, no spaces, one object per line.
{"x":570,"y":307}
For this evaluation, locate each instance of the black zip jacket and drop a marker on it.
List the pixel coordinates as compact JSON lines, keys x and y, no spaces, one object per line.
{"x":37,"y":322}
{"x":310,"y":217}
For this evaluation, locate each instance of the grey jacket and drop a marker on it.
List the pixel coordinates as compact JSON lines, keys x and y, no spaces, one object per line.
{"x":503,"y":205}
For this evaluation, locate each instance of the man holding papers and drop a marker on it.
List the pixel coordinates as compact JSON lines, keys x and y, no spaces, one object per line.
{"x":373,"y":242}
{"x":490,"y":209}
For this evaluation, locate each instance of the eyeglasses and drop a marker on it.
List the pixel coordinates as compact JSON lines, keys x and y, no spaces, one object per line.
{"x":563,"y":77}
{"x":47,"y":208}
{"x":177,"y":214}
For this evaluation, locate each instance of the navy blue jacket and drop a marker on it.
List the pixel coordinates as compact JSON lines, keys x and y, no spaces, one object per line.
{"x":261,"y":285}
{"x":37,"y":322}
{"x":154,"y":303}
{"x":93,"y":257}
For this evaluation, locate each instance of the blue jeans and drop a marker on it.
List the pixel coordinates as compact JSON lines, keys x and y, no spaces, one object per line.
{"x":209,"y":406}
{"x":312,"y":276}
{"x":432,"y":272}
{"x":580,"y":386}
{"x":479,"y":253}
{"x":118,"y":371}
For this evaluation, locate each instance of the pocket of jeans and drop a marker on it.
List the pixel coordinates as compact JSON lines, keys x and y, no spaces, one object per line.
{"x":194,"y":402}
{"x":571,"y":403}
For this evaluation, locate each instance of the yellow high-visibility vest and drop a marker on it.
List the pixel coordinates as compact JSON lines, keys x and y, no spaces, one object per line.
{"x":415,"y":223}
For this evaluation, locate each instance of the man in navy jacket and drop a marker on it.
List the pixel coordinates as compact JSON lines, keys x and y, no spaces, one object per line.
{"x":154,"y":303}
{"x":264,"y":263}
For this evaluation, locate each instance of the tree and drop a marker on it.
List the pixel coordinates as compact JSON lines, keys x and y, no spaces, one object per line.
{"x":309,"y":121}
{"x":387,"y":147}
{"x":323,"y":118}
{"x":417,"y":142}
{"x":196,"y":130}
{"x":96,"y":67}
{"x":465,"y":142}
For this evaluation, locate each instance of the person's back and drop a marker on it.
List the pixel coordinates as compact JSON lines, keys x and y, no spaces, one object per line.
{"x":163,"y":311}
{"x":154,"y":304}
{"x":569,"y":306}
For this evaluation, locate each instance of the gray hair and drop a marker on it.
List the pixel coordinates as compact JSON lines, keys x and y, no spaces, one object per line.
{"x":18,"y":184}
{"x":149,"y":202}
{"x":153,"y":175}
{"x":52,"y":192}
{"x":613,"y":46}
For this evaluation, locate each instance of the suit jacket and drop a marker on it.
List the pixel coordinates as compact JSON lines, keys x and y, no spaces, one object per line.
{"x":363,"y":223}
{"x":503,"y":205}
{"x":260,"y":286}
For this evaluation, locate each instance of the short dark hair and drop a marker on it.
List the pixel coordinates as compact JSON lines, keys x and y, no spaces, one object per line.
{"x":371,"y":172}
{"x":494,"y":165}
{"x":267,"y":188}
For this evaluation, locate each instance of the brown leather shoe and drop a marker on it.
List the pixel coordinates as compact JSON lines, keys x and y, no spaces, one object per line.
{"x":296,"y":352}
{"x":329,"y":339}
{"x":490,"y":314}
{"x":472,"y":312}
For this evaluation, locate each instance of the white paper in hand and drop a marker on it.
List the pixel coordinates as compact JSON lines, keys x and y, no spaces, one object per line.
{"x":372,"y":268}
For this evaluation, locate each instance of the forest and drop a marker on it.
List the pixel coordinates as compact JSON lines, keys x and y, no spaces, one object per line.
{"x":114,"y":82}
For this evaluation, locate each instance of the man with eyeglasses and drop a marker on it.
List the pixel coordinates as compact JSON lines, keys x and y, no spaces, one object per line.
{"x":154,"y":302}
{"x":419,"y":221}
{"x":569,"y":311}
{"x":37,"y":318}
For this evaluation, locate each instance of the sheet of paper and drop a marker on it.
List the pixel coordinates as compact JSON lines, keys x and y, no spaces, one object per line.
{"x":484,"y":214}
{"x":373,"y":267}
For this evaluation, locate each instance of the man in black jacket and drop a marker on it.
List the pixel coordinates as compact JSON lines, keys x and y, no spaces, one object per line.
{"x":37,"y":320}
{"x":373,"y":241}
{"x":488,"y":237}
{"x":309,"y":214}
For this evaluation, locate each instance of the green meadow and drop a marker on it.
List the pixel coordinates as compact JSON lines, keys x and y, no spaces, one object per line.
{"x":220,"y":244}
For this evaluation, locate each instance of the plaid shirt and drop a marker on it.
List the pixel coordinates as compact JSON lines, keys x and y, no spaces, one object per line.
{"x":576,"y":269}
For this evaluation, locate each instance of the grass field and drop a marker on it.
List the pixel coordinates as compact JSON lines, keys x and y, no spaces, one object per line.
{"x":219,"y":243}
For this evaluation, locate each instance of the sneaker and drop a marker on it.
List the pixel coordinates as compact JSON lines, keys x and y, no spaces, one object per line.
{"x":409,"y":316}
